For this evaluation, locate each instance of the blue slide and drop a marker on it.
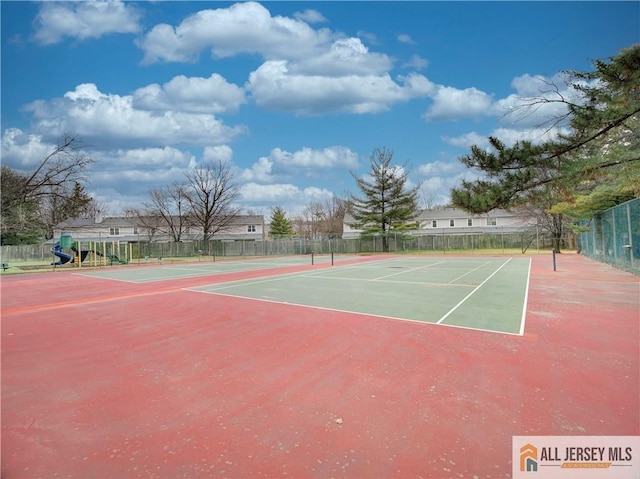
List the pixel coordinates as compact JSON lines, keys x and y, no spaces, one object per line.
{"x":64,"y":257}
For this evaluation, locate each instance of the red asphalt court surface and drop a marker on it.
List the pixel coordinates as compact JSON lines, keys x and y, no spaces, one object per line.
{"x":104,"y":379}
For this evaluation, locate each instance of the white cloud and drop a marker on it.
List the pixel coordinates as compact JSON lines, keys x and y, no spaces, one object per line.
{"x":23,"y":151}
{"x":274,"y":193}
{"x":260,"y":172}
{"x":438,"y":188}
{"x":534,"y":135}
{"x":214,"y":154}
{"x":82,"y":20}
{"x":416,"y":62}
{"x":451,"y":104}
{"x":99,"y":117}
{"x":310,"y":16}
{"x":275,"y":87}
{"x":242,"y":28}
{"x":531,"y":114}
{"x":538,"y":85}
{"x":439,"y":167}
{"x":509,"y":136}
{"x":290,"y":197}
{"x":331,"y":157}
{"x":191,"y":94}
{"x":133,"y":172}
{"x":538,"y":101}
{"x":346,"y":56}
{"x":324,"y":73}
{"x":467,"y":140}
{"x":137,"y":159}
{"x":368,"y":36}
{"x":118,"y":177}
{"x":404,"y":38}
{"x":306,"y":161}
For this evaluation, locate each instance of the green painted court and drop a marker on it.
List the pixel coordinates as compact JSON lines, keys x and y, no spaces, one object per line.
{"x":488,"y":294}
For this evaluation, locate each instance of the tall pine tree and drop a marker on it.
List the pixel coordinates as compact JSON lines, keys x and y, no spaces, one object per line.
{"x":387,"y":203}
{"x":594,"y":167}
{"x":601,"y":155}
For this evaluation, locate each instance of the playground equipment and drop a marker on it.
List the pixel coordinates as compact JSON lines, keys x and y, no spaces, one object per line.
{"x":64,"y":257}
{"x":97,"y":253}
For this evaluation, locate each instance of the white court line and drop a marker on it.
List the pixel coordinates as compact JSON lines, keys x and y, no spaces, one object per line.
{"x":194,"y":272}
{"x":244,"y":282}
{"x":469,"y":272}
{"x":471,"y":293}
{"x":425,"y":283}
{"x":95,"y":276}
{"x":526,"y":297}
{"x":362,"y":265}
{"x":358,"y":313}
{"x":407,"y":271}
{"x":310,"y":274}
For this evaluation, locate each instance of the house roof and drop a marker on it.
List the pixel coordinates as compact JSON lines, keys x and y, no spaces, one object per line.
{"x":76,"y":223}
{"x":118,"y":221}
{"x":449,"y":214}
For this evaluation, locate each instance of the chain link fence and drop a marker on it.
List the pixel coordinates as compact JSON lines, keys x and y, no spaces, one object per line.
{"x":613,"y":236}
{"x":140,"y":250}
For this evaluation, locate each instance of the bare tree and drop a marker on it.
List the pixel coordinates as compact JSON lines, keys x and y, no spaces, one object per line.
{"x":427,"y":198}
{"x":325,"y":217}
{"x":171,"y":205}
{"x":59,"y":171}
{"x":32,"y":203}
{"x":95,"y":210}
{"x":150,"y":221}
{"x":211,"y":194}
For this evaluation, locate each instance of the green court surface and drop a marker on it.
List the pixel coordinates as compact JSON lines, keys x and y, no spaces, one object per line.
{"x":191,"y":270}
{"x":487,"y":294}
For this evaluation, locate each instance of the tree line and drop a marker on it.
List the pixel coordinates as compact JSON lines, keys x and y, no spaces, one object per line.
{"x":558,"y":181}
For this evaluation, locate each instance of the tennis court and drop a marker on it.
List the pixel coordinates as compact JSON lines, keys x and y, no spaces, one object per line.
{"x":375,"y":366}
{"x":486,"y":293}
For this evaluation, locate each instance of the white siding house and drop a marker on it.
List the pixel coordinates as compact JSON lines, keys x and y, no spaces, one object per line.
{"x":456,"y":221}
{"x":126,"y":229}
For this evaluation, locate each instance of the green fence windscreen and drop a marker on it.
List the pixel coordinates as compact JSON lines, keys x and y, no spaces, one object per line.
{"x":614,"y":236}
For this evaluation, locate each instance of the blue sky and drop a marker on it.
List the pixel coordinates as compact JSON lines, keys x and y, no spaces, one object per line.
{"x":294,"y":95}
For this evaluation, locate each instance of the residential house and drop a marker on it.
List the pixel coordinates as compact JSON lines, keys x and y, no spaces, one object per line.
{"x":457,"y":221}
{"x":132,"y":229}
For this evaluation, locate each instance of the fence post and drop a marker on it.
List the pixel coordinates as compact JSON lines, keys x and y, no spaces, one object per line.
{"x":615,"y":238}
{"x":630,"y":236}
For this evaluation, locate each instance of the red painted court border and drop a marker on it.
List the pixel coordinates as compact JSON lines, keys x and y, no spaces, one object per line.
{"x":176,"y":384}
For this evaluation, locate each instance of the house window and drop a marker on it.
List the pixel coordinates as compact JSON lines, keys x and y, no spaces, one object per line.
{"x":114,"y":231}
{"x":434,"y":223}
{"x":251,"y":228}
{"x":135,"y":230}
{"x":491,"y":222}
{"x":452,"y":223}
{"x":469,"y":222}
